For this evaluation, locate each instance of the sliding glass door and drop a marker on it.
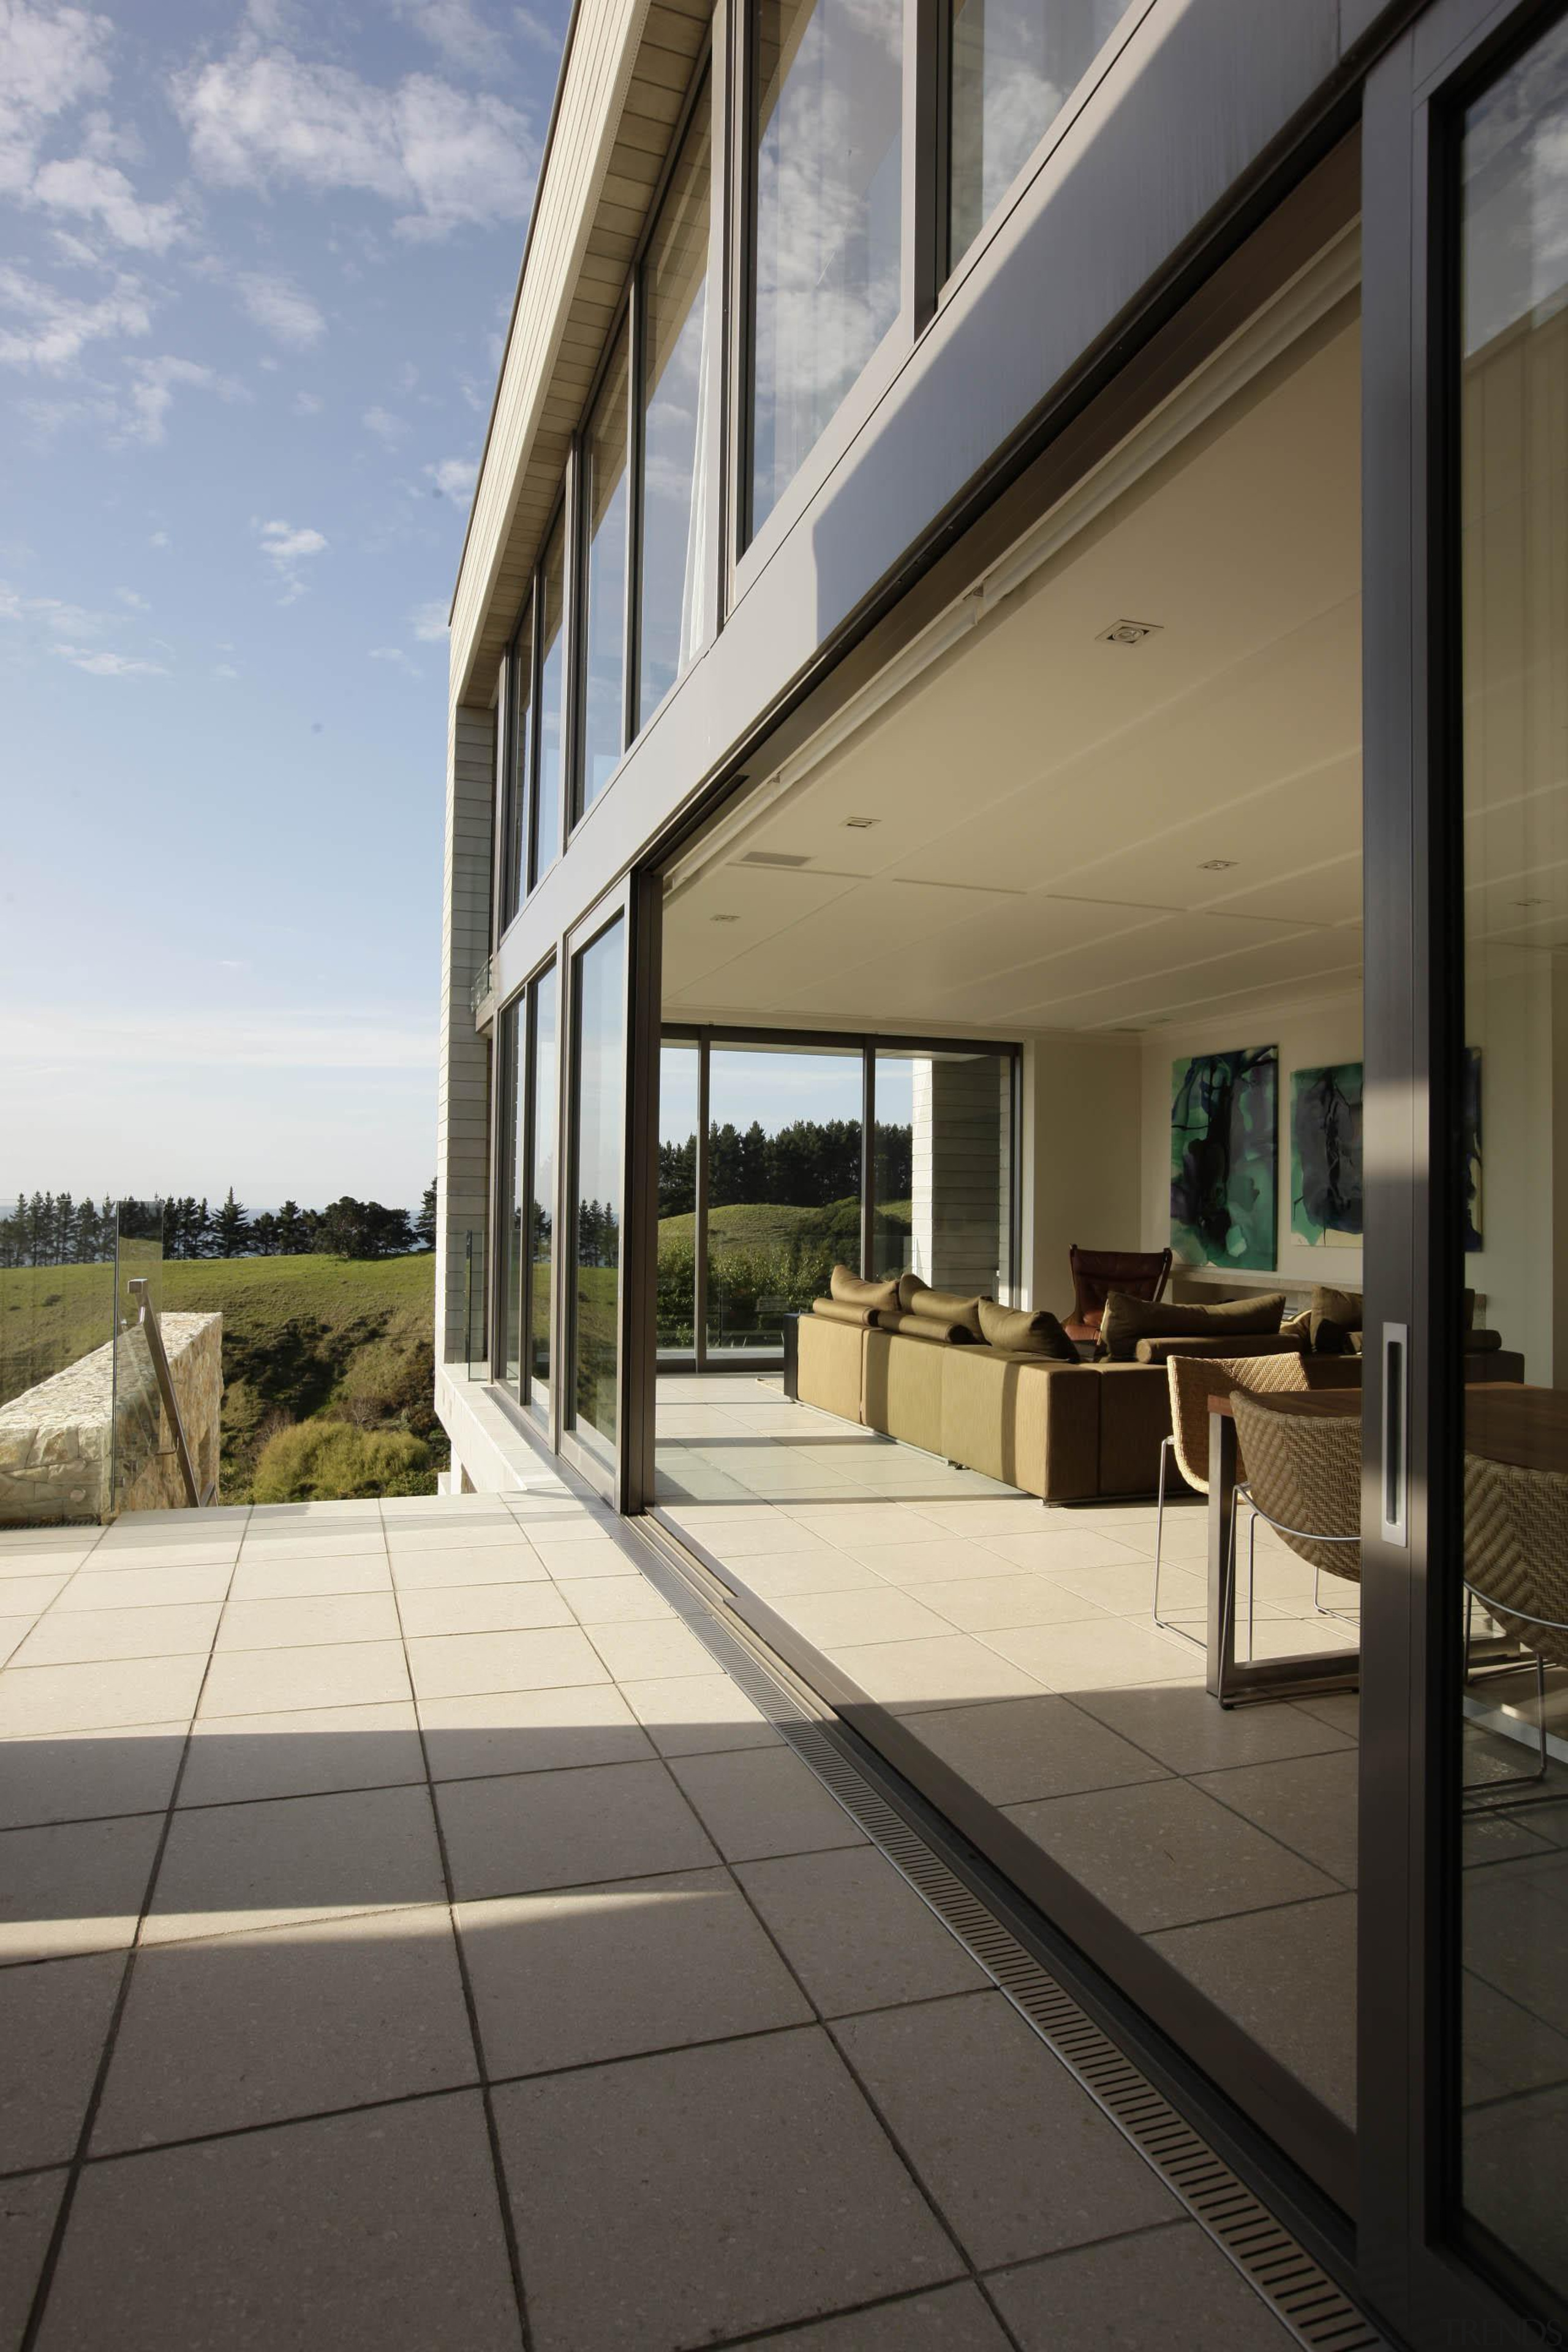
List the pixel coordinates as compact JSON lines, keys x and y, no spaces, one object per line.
{"x":598,"y":1046}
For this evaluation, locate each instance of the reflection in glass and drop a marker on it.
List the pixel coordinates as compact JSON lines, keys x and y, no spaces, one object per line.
{"x":783,"y":1186}
{"x":542,"y":1192}
{"x":678,"y":1117}
{"x":518,"y":742}
{"x":675,"y":425}
{"x":548,"y":793}
{"x":826,"y":135}
{"x":509,"y":1172}
{"x":599,"y":1055}
{"x":1014,"y":64}
{"x":1514,"y":1077}
{"x":605,"y":597}
{"x":943,"y":1170}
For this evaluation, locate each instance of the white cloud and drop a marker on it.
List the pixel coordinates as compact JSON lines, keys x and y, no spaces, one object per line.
{"x":388,"y":429}
{"x":155,"y":384}
{"x":306,"y":404}
{"x":129,"y":596}
{"x":395,"y":654}
{"x":454,"y":476}
{"x":53,"y":330}
{"x":94,"y":190}
{"x":442,"y":155}
{"x":282,"y":310}
{"x":286,"y":546}
{"x":455,"y":29}
{"x":535,"y":29}
{"x":429,"y":623}
{"x":51,"y":59}
{"x":224,"y":669}
{"x":106,"y":664}
{"x":159,"y":539}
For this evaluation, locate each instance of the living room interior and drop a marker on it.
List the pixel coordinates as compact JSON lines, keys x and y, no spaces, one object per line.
{"x":1096,"y":856}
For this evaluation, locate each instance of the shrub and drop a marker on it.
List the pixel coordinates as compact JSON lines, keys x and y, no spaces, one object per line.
{"x":322,"y":1461}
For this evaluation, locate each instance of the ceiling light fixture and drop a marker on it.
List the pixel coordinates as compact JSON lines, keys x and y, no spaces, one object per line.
{"x":1530,"y":902}
{"x":1128,"y":632}
{"x":1216,"y":865}
{"x":860,"y":824}
{"x":723,"y":918}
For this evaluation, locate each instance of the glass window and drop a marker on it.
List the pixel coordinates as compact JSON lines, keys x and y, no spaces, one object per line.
{"x":825,"y":139}
{"x":1011,"y":67}
{"x":519,"y":743}
{"x":542,"y":1190}
{"x":1511,"y":1254}
{"x":550,"y":723}
{"x":943,"y":1170}
{"x":599,"y":1061}
{"x":783,"y":1186}
{"x":604,"y":592}
{"x":676,"y":440}
{"x":508,"y":1177}
{"x":677,"y":1117}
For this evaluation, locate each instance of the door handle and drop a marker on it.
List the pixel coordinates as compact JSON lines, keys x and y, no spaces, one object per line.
{"x":1395,"y":1528}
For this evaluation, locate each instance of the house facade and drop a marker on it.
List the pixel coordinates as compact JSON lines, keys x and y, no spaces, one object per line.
{"x":1007,"y":698}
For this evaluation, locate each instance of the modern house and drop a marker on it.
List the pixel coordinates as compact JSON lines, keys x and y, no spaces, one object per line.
{"x":1009,"y":700}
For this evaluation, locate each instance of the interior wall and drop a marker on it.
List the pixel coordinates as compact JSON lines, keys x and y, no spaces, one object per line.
{"x":1081,"y":1122}
{"x":1306,"y":1037}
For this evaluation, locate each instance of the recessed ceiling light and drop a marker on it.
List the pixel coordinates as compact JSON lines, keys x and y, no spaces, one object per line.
{"x":1216,"y":865}
{"x":1128,"y":632}
{"x":723,"y":918}
{"x":1530,"y":902}
{"x":860,"y":824}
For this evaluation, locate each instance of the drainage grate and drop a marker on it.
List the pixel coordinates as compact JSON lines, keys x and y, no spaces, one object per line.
{"x":1296,"y":2288}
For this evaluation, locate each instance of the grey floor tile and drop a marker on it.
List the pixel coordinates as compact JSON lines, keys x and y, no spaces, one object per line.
{"x":454,"y":1665}
{"x":1104,"y":1654}
{"x":1505,"y":2048}
{"x":87,"y":1773}
{"x":953,"y":2319}
{"x":531,"y":1731}
{"x":1168,"y":2291}
{"x":482,"y":1608}
{"x":307,"y":1752}
{"x":38,"y":1702}
{"x":1162,"y":1854}
{"x":518,"y":1835}
{"x":77,"y":1887}
{"x":1017,"y":2157}
{"x":693,"y":1714}
{"x":1014,"y":1748}
{"x":255,"y":2028}
{"x":668,"y":2200}
{"x":28,"y":2210}
{"x":304,"y":1620}
{"x":1184,"y":1728}
{"x":92,"y":1635}
{"x":1288,"y":1977}
{"x":1308,"y":1802}
{"x":765,"y":1803}
{"x":370,"y":2232}
{"x":575,"y":1977}
{"x":228,"y":1867}
{"x":1515,"y":2155}
{"x":328,"y":1673}
{"x":856,"y":1933}
{"x":52,"y":2022}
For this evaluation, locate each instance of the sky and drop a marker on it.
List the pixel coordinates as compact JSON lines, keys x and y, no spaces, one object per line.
{"x":255,"y":264}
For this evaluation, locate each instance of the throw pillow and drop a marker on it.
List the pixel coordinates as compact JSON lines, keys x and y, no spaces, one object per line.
{"x":918,"y":1297}
{"x":1025,"y":1334}
{"x":848,"y":1287}
{"x":1128,"y":1320}
{"x":1334,"y":1314}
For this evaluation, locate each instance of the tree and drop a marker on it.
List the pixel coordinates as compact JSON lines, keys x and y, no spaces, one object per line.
{"x":424,"y":1222}
{"x":264,"y":1234}
{"x":230,"y":1229}
{"x":292,"y":1239}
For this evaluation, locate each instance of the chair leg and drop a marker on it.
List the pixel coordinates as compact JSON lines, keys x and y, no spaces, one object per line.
{"x":1484,"y":1789}
{"x":1251,"y":1585}
{"x":1167,"y":1447}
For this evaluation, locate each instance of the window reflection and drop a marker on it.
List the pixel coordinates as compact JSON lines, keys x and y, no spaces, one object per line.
{"x":825,"y":136}
{"x":676,"y":448}
{"x":508,"y":1176}
{"x":943,"y":1170}
{"x":599,"y":1058}
{"x":542,"y":1192}
{"x":518,"y":740}
{"x":605,"y":597}
{"x":677,"y":1121}
{"x":549,"y":796}
{"x":1013,"y":65}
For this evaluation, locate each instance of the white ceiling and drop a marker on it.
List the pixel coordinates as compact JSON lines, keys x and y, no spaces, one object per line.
{"x":1045,"y":804}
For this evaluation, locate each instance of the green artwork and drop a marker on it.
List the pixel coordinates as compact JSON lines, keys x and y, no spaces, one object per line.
{"x":1326,"y":1156}
{"x":1224,"y":1157}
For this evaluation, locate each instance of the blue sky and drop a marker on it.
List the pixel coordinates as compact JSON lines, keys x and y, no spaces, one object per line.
{"x":256,"y":264}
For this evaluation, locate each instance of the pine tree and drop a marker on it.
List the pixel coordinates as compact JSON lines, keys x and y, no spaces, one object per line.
{"x":291,"y":1240}
{"x":424,"y":1222}
{"x":230,"y":1229}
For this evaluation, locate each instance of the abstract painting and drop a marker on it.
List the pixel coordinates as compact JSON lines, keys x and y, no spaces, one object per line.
{"x":1224,"y":1157}
{"x":1470,"y":1145}
{"x":1326,"y":1156}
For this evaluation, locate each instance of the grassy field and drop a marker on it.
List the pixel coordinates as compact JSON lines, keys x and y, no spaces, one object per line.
{"x":300,"y":1334}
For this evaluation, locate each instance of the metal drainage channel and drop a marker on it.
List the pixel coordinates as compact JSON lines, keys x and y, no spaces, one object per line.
{"x":1296,"y":2288}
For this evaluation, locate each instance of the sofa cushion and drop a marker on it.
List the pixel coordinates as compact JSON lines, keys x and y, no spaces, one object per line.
{"x":1255,"y":1343}
{"x":850,"y":1291}
{"x":918,"y":1297}
{"x":1128,"y":1320}
{"x":1025,"y":1334}
{"x":926,"y":1327}
{"x":838,"y":1310}
{"x":1334,"y":1314}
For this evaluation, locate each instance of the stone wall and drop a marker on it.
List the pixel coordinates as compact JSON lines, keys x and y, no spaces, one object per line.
{"x":57,"y":1441}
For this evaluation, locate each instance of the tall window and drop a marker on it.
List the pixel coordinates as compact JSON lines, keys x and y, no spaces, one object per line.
{"x":1012,"y":66}
{"x":675,"y":426}
{"x":598,"y":1073}
{"x":680,"y":1095}
{"x":827,"y":101}
{"x":604,"y":510}
{"x":517,"y":753}
{"x":509,"y":1126}
{"x":540,"y":1191}
{"x":943,"y":1170}
{"x":549,"y":795}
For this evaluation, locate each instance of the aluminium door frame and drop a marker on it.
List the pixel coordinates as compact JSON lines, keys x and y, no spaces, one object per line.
{"x":1411,"y":2258}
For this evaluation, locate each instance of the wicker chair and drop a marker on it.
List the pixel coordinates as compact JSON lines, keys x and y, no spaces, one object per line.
{"x":1194,"y":1381}
{"x":1515,"y":1565}
{"x":1303,"y":1479}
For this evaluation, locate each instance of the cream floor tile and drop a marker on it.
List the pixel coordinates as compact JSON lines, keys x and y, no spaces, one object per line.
{"x":1016,"y":1749}
{"x":109,"y":1559}
{"x":453,"y":1665}
{"x":305,"y":1752}
{"x":474,"y":1535}
{"x":369,"y":1544}
{"x":978,"y":1517}
{"x":1105,"y":1654}
{"x":327,"y":1674}
{"x":935,"y":1560}
{"x":482,"y":1608}
{"x":854,"y":1522}
{"x":29,"y":1596}
{"x":146,"y":1587}
{"x":302,"y":1621}
{"x":1130,"y":1591}
{"x":86,"y":1775}
{"x":14,"y":1631}
{"x":91,"y":1634}
{"x":76,"y":1886}
{"x":978,"y":1604}
{"x":264,"y":1578}
{"x":46,"y":1701}
{"x":774,"y":1575}
{"x":615,"y":1601}
{"x":878,"y":1613}
{"x":650,"y":1653}
{"x":557,"y":1524}
{"x":697,"y":1715}
{"x":509,"y":1564}
{"x":531,"y":1731}
{"x":230,"y":1867}
{"x":902,"y":1674}
{"x":736,"y":1535}
{"x":567,"y":1561}
{"x":1050,"y":1549}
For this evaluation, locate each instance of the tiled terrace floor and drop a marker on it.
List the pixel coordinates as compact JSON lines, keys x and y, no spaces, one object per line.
{"x":411,"y":1936}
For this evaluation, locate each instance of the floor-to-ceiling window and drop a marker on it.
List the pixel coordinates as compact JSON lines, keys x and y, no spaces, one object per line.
{"x":942,"y":1169}
{"x":783,"y":1186}
{"x":677,"y":443}
{"x":598,"y":1072}
{"x":539,"y":1192}
{"x":509,"y":1109}
{"x":825,"y":116}
{"x":680,"y":1089}
{"x":548,"y":792}
{"x":603,"y":722}
{"x":518,"y":757}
